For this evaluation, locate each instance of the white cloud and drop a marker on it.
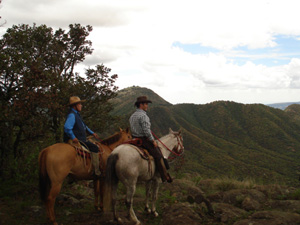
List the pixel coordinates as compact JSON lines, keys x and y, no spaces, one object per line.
{"x":135,"y":37}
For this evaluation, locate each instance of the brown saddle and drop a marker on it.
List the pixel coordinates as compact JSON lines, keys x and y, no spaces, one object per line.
{"x":137,"y":142}
{"x":82,"y":150}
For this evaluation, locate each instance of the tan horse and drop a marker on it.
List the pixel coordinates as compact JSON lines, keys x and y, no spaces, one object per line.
{"x":59,"y":160}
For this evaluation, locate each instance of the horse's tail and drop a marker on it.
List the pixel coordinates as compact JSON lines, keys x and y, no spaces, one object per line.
{"x":111,"y":180}
{"x":44,"y":180}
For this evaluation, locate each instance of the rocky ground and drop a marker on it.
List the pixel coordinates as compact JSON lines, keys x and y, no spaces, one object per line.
{"x":185,"y":201}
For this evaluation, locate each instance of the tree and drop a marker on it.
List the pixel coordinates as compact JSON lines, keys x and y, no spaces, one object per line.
{"x":37,"y":78}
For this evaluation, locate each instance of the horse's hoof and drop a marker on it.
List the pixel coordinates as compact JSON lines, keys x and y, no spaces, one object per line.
{"x":99,"y":209}
{"x":119,"y":221}
{"x":155,"y":214}
{"x":147,"y":210}
{"x":138,"y":223}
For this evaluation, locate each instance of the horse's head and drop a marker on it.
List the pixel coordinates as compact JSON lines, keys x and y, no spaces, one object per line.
{"x":178,"y":148}
{"x":125,"y":135}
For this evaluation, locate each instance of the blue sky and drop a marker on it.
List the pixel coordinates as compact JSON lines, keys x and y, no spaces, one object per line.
{"x":196,"y":51}
{"x":287,"y":47}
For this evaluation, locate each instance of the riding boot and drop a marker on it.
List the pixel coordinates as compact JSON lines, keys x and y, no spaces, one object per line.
{"x":165,"y":176}
{"x":95,"y":163}
{"x":168,"y":176}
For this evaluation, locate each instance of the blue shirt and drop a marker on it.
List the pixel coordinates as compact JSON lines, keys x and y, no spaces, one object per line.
{"x":140,"y":125}
{"x":69,"y":124}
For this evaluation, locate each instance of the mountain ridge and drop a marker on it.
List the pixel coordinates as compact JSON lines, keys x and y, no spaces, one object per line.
{"x":226,"y":138}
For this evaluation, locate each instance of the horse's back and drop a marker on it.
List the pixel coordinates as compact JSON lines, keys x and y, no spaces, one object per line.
{"x":126,"y":149}
{"x":130,"y":163}
{"x":58,"y":159}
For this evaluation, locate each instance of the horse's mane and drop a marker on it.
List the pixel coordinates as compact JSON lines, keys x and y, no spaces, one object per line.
{"x":112,"y":139}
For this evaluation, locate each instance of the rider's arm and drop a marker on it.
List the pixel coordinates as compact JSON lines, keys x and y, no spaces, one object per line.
{"x":146,"y":126}
{"x":88,"y":130}
{"x":69,"y":124}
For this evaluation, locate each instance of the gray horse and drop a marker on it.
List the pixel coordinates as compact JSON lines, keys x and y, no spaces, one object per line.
{"x":127,"y":165}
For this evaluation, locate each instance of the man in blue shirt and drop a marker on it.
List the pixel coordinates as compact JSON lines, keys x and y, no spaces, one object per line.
{"x":141,"y":128}
{"x":75,"y":129}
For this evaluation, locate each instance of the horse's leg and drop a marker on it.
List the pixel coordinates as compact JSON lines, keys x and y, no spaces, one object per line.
{"x":96,"y":193}
{"x":148,"y":186}
{"x":55,"y":189}
{"x":155,"y":185}
{"x":102,"y":190}
{"x":114,"y":202}
{"x":129,"y":202}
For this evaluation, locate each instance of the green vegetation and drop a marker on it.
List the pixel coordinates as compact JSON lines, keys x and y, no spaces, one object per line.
{"x":37,"y":78}
{"x":225,"y":138}
{"x":240,"y":146}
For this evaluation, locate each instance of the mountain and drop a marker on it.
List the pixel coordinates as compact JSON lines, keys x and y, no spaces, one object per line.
{"x":282,"y":105}
{"x":293,"y":111}
{"x":225,"y":138}
{"x":124,"y":103}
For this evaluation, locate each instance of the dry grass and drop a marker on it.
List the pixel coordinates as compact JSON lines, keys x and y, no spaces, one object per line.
{"x":226,"y":184}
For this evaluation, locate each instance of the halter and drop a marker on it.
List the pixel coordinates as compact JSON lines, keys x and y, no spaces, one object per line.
{"x":179,"y":141}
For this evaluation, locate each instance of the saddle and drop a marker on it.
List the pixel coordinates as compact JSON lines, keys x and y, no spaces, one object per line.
{"x":81,"y":150}
{"x":137,"y":142}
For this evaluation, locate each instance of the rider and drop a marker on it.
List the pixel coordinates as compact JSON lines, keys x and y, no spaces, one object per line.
{"x":75,"y":129}
{"x":140,"y":128}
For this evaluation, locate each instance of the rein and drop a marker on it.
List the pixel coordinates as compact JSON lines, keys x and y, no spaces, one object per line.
{"x":178,"y":141}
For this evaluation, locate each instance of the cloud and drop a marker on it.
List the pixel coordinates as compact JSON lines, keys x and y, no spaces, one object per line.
{"x":62,"y":13}
{"x":135,"y":38}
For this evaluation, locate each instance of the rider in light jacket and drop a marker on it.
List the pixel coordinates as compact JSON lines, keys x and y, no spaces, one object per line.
{"x":141,"y":128}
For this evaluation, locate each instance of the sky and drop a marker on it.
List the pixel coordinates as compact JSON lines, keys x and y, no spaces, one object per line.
{"x":187,"y":51}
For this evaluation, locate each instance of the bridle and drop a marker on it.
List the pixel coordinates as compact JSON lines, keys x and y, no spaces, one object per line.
{"x":179,"y":147}
{"x":179,"y":144}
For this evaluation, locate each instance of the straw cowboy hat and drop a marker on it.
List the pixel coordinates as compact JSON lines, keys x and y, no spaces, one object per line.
{"x":142,"y":99}
{"x":75,"y":100}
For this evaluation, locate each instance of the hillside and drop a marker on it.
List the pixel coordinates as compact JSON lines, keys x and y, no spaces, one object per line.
{"x":293,"y":111}
{"x":181,"y":202}
{"x":124,"y":103}
{"x":227,"y":138}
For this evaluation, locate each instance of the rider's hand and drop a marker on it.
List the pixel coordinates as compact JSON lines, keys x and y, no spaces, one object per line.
{"x":154,"y":143}
{"x":95,"y":135}
{"x":75,"y":141}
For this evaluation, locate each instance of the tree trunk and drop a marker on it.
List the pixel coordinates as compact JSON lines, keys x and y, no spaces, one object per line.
{"x":17,"y":142}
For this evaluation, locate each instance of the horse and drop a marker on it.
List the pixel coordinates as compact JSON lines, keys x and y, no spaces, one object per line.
{"x":61,"y":159}
{"x":126,"y":164}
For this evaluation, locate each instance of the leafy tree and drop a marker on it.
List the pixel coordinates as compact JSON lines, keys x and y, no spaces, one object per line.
{"x":37,"y":78}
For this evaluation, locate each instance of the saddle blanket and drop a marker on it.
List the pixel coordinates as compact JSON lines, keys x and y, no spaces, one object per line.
{"x":137,"y":143}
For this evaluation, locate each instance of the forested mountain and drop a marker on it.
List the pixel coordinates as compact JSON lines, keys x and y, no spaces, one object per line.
{"x":293,"y":111}
{"x":226,"y":138}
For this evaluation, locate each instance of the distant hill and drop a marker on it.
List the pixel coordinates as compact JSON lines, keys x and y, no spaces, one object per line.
{"x":225,"y":138}
{"x":124,"y":103}
{"x":293,"y":111}
{"x":282,"y":105}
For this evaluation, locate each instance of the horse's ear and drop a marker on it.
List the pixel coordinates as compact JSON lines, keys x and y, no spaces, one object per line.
{"x":171,"y":131}
{"x":179,"y":132}
{"x":120,"y":129}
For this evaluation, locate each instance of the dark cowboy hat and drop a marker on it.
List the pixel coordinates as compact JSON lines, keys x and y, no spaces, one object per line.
{"x":142,"y":99}
{"x":75,"y":100}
